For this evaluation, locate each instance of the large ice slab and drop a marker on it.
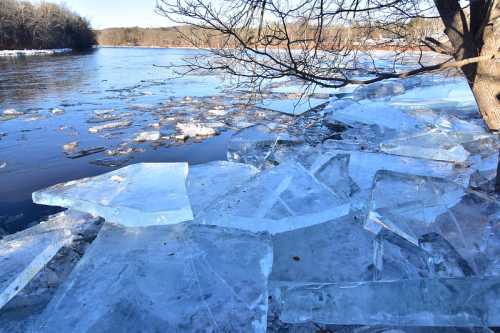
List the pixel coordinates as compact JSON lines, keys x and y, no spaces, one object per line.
{"x":179,"y":278}
{"x":206,"y":182}
{"x":432,"y":144}
{"x":370,"y":113}
{"x":465,"y":302}
{"x":340,"y":251}
{"x":404,"y":208}
{"x":285,"y":198}
{"x":22,"y":258}
{"x":137,"y":195}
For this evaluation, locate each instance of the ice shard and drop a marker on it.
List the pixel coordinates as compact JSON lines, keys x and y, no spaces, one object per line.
{"x":137,"y":195}
{"x":284,"y":198}
{"x":178,"y":278}
{"x":404,"y":208}
{"x":209,"y":181}
{"x":23,"y":257}
{"x":457,"y":302}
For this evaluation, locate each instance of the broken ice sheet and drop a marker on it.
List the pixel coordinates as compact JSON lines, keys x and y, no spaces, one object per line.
{"x":463,"y":302}
{"x":280,"y":199}
{"x":370,"y":113}
{"x":256,"y":144}
{"x":137,"y":195}
{"x":22,"y":258}
{"x":294,"y":107}
{"x":180,"y":278}
{"x":403,"y":208}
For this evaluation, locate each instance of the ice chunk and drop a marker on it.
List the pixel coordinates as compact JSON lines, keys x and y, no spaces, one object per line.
{"x":180,"y":278}
{"x":209,"y":181}
{"x":433,"y":145}
{"x":467,"y":302}
{"x":195,"y":130}
{"x":137,"y":195}
{"x":22,"y":258}
{"x":379,"y":90}
{"x":281,"y":199}
{"x":372,"y":113}
{"x":147,"y":136}
{"x":404,"y":208}
{"x":294,"y":107}
{"x":113,"y":125}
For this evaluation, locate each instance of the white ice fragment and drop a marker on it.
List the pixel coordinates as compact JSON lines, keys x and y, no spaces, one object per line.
{"x":147,"y":136}
{"x":3,"y":165}
{"x":113,"y":125}
{"x":22,"y":53}
{"x":22,"y":258}
{"x":195,"y":130}
{"x":57,"y":111}
{"x":12,"y":112}
{"x":137,"y":195}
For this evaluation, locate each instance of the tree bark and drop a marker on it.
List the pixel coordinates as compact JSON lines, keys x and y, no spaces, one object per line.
{"x":482,"y":39}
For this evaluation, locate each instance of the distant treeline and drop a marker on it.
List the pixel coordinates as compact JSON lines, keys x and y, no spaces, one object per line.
{"x":24,"y":25}
{"x":189,"y":36}
{"x":160,"y":37}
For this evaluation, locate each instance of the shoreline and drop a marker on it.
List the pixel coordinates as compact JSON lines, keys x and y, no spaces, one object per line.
{"x":33,"y":52}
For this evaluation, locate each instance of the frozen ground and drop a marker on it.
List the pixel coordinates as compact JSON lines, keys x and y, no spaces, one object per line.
{"x":375,"y":213}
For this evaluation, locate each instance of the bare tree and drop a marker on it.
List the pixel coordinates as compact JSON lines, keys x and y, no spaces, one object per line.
{"x":328,"y":42}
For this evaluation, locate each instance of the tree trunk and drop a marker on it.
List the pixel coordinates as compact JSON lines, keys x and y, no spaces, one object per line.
{"x":486,"y":84}
{"x":473,"y":37}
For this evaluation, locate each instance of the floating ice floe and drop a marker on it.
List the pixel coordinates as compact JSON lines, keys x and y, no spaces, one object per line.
{"x":138,"y":195}
{"x":180,"y":278}
{"x":110,"y":126}
{"x":147,"y":136}
{"x":195,"y":130}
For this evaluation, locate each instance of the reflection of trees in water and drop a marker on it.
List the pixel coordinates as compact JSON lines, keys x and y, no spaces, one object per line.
{"x":26,"y":78}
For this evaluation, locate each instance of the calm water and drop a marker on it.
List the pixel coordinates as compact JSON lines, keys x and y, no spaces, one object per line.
{"x":31,"y":144}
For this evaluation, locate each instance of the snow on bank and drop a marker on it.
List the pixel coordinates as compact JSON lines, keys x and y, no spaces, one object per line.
{"x":20,"y":53}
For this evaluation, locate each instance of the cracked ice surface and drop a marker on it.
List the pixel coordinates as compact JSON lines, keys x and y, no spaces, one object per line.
{"x":22,"y":258}
{"x":283,"y":198}
{"x":137,"y":195}
{"x":179,"y":278}
{"x":405,"y":208}
{"x":463,"y":302}
{"x":206,"y":182}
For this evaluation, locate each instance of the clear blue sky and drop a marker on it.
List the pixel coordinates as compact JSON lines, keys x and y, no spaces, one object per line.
{"x":118,"y":13}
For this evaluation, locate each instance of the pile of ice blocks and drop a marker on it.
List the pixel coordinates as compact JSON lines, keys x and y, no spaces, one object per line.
{"x":378,"y":230}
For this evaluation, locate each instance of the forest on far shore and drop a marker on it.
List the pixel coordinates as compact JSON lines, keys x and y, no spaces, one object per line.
{"x":44,"y":25}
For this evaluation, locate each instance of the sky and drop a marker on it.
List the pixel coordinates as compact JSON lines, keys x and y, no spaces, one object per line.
{"x":118,"y":13}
